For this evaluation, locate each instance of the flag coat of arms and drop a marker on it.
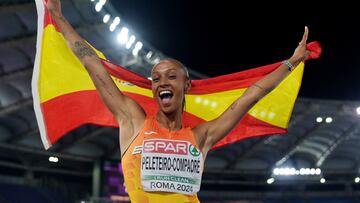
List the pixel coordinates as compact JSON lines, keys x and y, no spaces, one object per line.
{"x":65,"y":97}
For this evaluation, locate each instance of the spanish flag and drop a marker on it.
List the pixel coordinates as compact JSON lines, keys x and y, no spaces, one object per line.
{"x":65,"y":97}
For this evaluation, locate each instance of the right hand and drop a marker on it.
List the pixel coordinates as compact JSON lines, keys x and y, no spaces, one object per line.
{"x":300,"y":53}
{"x":54,"y":6}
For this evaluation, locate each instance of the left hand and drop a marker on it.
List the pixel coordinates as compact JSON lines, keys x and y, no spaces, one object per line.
{"x":300,"y":53}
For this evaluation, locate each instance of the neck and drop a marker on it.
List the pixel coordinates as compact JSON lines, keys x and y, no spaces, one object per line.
{"x":171,"y":121}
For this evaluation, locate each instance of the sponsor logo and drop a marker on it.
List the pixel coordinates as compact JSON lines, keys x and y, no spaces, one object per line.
{"x":137,"y":150}
{"x":193,"y":151}
{"x":165,"y":146}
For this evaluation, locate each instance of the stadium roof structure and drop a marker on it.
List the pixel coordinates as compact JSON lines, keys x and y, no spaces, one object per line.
{"x":322,"y":142}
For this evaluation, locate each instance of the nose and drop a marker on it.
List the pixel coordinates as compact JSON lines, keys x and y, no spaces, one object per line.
{"x":164,"y":82}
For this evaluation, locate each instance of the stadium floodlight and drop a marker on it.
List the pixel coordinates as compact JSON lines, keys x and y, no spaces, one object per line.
{"x":322,"y":180}
{"x":106,"y":18}
{"x":116,"y":20}
{"x":149,"y":54}
{"x":357,"y":180}
{"x":293,"y":171}
{"x":135,"y":52}
{"x":123,"y":35}
{"x":98,"y":7}
{"x":53,"y":159}
{"x":115,"y":23}
{"x":270,"y":180}
{"x":137,"y":48}
{"x":130,"y":42}
{"x":303,"y":171}
{"x":358,"y":110}
{"x":328,"y":120}
{"x":156,"y":60}
{"x":112,"y":27}
{"x":138,"y":45}
{"x":319,"y":119}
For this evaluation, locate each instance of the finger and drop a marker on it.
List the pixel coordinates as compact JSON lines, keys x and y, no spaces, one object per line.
{"x":305,"y":36}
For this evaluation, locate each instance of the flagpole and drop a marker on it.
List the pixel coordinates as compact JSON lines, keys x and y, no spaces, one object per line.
{"x":40,"y":7}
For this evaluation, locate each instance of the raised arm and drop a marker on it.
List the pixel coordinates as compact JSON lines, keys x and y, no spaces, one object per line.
{"x":122,"y":107}
{"x":209,"y":133}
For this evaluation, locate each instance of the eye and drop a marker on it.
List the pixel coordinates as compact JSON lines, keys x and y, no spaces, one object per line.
{"x":155,"y":79}
{"x":172,"y":77}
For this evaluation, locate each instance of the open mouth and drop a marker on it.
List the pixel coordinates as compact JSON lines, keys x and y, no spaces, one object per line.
{"x":165,"y":96}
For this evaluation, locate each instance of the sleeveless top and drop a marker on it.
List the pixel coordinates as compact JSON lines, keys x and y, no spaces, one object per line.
{"x":162,"y":165}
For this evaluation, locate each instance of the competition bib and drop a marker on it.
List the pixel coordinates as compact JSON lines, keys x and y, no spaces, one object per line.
{"x":171,"y":166}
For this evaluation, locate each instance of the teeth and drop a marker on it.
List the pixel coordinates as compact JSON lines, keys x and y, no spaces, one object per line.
{"x":165,"y":92}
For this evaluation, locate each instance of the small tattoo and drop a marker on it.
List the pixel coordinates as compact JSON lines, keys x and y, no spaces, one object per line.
{"x":82,"y":50}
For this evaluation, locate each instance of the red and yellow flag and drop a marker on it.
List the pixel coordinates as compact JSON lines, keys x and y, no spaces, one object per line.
{"x":65,"y":97}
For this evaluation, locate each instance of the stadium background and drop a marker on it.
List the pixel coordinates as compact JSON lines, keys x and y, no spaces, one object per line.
{"x":317,"y":161}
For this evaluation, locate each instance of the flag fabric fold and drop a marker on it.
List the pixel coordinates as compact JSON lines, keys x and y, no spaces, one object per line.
{"x":65,"y":97}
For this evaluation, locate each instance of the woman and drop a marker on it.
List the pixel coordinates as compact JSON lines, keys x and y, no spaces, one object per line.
{"x":162,"y":160}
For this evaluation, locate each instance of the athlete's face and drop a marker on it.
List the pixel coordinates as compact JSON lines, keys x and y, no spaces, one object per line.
{"x":169,"y":84}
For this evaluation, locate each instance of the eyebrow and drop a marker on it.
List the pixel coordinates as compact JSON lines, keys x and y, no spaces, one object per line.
{"x":165,"y":71}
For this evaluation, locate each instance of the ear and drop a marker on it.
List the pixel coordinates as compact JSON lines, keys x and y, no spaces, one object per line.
{"x":187,"y":86}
